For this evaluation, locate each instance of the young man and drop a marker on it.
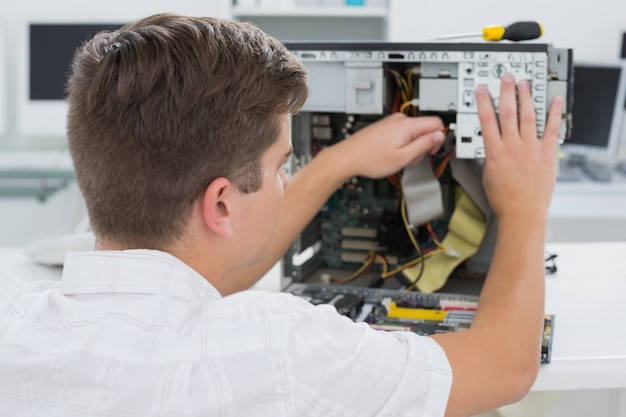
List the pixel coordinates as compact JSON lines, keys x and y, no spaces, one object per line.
{"x":178,"y":128}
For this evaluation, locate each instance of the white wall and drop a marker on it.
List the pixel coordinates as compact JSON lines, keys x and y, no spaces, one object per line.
{"x":23,"y":220}
{"x":593,"y":29}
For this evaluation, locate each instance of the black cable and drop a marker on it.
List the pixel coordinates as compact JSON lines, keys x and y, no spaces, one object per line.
{"x":550,"y":266}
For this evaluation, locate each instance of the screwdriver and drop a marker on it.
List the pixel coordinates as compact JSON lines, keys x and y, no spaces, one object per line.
{"x":518,"y":31}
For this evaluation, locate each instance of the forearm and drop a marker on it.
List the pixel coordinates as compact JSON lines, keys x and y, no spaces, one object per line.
{"x":500,"y":353}
{"x":496,"y":361}
{"x":511,"y":306}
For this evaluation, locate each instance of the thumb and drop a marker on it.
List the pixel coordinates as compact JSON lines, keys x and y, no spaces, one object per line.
{"x":415,"y":150}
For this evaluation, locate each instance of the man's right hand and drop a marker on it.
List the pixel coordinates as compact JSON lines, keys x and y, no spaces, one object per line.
{"x":520,"y":170}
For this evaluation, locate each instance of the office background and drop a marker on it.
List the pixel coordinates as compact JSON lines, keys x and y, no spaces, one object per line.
{"x":24,"y":219}
{"x":594,"y":30}
{"x":595,"y":33}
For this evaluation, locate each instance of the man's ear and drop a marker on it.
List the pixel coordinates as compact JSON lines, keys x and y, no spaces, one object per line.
{"x":217,"y":208}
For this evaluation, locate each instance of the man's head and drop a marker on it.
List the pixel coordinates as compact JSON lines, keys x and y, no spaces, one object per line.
{"x":164,"y":106}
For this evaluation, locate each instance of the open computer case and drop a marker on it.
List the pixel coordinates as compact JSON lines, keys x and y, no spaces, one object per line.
{"x":410,"y":251}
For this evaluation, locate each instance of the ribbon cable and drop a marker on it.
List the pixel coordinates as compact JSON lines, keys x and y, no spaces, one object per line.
{"x":465,"y":233}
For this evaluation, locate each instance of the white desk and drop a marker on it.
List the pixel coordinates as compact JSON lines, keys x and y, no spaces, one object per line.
{"x":588,"y":211}
{"x":587,"y":295}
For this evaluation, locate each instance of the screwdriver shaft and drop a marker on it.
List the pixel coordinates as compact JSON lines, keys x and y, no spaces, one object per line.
{"x":459,"y":35}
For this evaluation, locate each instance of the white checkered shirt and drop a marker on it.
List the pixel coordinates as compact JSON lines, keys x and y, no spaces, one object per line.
{"x":139,"y":333}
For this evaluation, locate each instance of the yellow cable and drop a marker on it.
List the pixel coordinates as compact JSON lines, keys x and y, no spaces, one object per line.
{"x":383,"y":260}
{"x":404,"y":88}
{"x":411,"y":263}
{"x":368,"y":262}
{"x":409,"y":78}
{"x":407,"y":226}
{"x":434,"y":239}
{"x":405,"y":105}
{"x":466,"y":230}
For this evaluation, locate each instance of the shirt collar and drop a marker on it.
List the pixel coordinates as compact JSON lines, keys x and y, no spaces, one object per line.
{"x":137,"y":271}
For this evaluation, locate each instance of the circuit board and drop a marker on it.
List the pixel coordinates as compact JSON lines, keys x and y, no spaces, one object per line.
{"x":423,"y":314}
{"x":363,"y":217}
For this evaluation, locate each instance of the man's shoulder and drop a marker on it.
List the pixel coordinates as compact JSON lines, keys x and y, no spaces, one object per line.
{"x":33,"y":288}
{"x":28,"y":293}
{"x":263,"y":299}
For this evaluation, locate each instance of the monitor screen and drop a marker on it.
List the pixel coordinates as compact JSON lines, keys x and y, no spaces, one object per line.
{"x":48,"y":51}
{"x":51,"y":50}
{"x":599,"y":90}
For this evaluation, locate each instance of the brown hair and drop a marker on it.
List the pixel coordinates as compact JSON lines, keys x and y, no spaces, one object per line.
{"x":162,"y":107}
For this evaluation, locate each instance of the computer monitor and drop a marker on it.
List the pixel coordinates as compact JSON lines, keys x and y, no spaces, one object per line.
{"x":44,"y":40}
{"x":47,"y":53}
{"x":598,"y":110}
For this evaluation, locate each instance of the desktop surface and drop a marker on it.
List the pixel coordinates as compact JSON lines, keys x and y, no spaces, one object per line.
{"x":582,"y":169}
{"x":587,"y":295}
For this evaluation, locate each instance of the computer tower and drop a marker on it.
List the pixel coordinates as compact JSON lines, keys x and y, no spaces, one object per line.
{"x":423,"y":237}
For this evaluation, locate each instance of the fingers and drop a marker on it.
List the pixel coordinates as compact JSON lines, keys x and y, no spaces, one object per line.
{"x":508,"y":108}
{"x":487,"y":117}
{"x":553,"y":125}
{"x":416,"y":149}
{"x":527,"y":123}
{"x":385,"y":147}
{"x":511,"y":125}
{"x":425,"y":135}
{"x":423,"y":125}
{"x":436,"y":148}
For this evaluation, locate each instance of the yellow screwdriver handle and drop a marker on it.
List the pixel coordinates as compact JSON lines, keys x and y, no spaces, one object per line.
{"x":493,"y":33}
{"x":518,"y":31}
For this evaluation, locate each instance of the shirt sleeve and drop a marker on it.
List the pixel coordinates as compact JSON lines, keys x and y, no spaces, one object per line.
{"x":342,"y":368}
